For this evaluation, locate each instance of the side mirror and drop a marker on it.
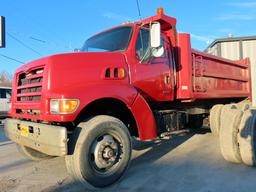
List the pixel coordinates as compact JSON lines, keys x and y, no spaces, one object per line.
{"x":155,"y":35}
{"x":155,"y":40}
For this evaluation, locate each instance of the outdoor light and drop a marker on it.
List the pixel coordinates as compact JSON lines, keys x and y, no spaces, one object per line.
{"x":160,"y":10}
{"x":63,"y":106}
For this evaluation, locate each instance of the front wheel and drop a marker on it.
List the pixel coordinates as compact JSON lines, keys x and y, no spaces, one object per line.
{"x":101,"y":153}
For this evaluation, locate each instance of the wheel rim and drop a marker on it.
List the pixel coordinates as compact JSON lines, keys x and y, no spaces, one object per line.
{"x":106,"y":153}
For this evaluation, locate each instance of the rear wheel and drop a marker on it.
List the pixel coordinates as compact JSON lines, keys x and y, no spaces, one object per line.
{"x":32,"y":154}
{"x":215,"y":115}
{"x":244,"y":105}
{"x":246,"y":138}
{"x":228,"y":133}
{"x":102,"y":152}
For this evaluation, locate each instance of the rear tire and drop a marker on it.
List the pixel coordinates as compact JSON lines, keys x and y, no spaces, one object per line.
{"x":215,"y":115}
{"x":102,"y":152}
{"x":244,"y":105}
{"x":246,"y":138}
{"x":32,"y":154}
{"x":230,"y":121}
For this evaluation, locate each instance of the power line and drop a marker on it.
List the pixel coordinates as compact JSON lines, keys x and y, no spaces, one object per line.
{"x":10,"y":58}
{"x":23,"y":44}
{"x":40,"y":40}
{"x":36,"y":39}
{"x":138,"y":7}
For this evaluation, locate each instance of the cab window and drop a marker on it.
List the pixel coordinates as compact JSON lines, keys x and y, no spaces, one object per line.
{"x":143,"y":45}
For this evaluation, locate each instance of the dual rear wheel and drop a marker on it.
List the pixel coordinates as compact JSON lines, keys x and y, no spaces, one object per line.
{"x":235,"y":124}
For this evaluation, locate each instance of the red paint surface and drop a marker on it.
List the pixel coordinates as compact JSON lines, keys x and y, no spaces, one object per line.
{"x":144,"y":119}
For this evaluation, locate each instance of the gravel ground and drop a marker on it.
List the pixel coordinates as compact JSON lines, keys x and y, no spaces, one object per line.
{"x":187,"y":162}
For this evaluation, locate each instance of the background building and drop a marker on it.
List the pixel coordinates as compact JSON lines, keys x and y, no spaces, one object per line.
{"x":234,"y":48}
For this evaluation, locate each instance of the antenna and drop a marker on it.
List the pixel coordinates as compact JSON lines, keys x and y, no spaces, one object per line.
{"x":138,"y":7}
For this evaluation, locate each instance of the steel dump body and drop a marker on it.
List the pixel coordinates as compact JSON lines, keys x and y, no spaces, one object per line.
{"x":204,"y":76}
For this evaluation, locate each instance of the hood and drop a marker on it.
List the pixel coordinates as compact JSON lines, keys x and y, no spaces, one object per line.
{"x":69,"y":59}
{"x":76,"y":69}
{"x":84,"y":59}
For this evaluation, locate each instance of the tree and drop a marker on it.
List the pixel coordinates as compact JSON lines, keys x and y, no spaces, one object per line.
{"x":5,"y":79}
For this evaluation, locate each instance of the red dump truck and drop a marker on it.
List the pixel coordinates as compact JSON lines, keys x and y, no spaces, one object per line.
{"x":140,"y":79}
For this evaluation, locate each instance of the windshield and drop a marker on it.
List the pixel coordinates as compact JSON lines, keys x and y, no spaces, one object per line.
{"x":114,"y":40}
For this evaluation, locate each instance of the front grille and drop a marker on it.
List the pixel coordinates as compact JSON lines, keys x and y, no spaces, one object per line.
{"x":29,"y":91}
{"x":30,"y":85}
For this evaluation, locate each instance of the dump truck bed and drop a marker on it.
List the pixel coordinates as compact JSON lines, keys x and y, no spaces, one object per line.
{"x":201,"y":75}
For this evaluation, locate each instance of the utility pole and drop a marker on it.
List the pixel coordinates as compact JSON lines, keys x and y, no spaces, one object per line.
{"x":2,"y":32}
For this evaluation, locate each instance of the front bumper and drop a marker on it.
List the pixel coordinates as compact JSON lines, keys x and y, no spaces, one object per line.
{"x":48,"y":139}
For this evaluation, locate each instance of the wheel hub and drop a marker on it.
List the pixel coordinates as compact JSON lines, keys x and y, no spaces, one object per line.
{"x":108,"y":153}
{"x":105,"y":152}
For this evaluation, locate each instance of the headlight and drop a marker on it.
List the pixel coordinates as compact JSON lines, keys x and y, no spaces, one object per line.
{"x":63,"y":106}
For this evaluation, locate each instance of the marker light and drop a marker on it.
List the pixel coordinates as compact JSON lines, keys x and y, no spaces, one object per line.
{"x":63,"y":106}
{"x":160,"y":10}
{"x":121,"y":73}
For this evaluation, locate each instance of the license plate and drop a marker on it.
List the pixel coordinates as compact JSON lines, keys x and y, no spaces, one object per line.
{"x":24,"y":130}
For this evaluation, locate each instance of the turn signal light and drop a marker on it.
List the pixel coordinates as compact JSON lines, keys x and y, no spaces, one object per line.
{"x":63,"y":106}
{"x":121,"y":73}
{"x":115,"y":73}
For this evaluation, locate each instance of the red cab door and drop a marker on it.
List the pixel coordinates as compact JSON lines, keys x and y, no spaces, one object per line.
{"x":153,"y":76}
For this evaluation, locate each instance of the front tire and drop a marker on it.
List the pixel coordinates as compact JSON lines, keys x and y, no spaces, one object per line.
{"x":102,"y":152}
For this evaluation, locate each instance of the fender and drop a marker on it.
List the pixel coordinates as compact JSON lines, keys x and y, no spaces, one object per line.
{"x":144,"y":118}
{"x":140,"y":109}
{"x":138,"y":106}
{"x":92,"y":92}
